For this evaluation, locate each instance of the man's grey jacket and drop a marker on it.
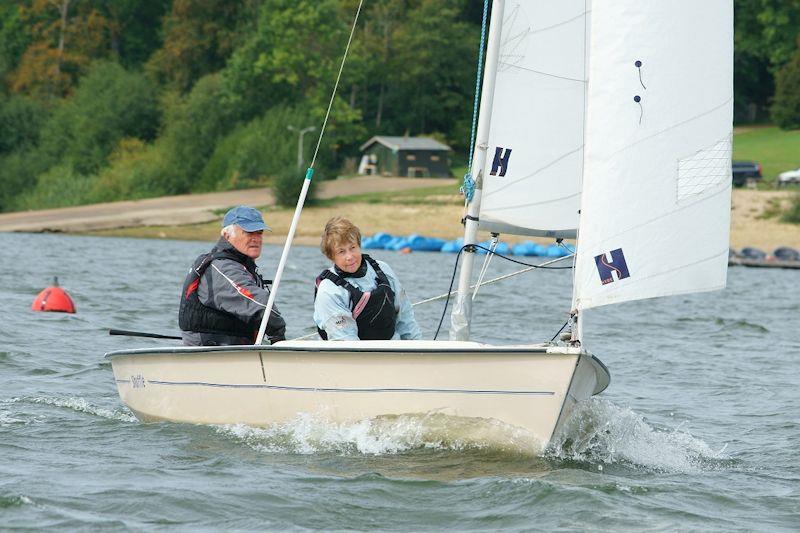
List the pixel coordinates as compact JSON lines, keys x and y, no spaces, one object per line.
{"x":224,"y":299}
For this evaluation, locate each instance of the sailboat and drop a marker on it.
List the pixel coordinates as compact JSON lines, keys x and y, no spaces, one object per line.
{"x":608,"y":122}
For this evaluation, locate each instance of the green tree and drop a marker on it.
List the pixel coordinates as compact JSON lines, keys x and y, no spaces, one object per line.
{"x":199,"y":36}
{"x":65,"y":36}
{"x":13,"y":39}
{"x":433,"y":71}
{"x":20,"y":121}
{"x":109,"y":104}
{"x":786,"y":106}
{"x":780,"y":27}
{"x":136,"y":170}
{"x":764,"y":35}
{"x":59,"y":186}
{"x":18,"y":171}
{"x":292,"y":56}
{"x":133,"y":28}
{"x":753,"y":83}
{"x":193,"y":126}
{"x":259,"y":150}
{"x":373,"y":53}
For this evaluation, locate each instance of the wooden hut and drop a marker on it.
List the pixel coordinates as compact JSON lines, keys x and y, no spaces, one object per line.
{"x":414,"y":157}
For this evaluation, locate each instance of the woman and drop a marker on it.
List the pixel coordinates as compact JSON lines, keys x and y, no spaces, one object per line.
{"x":359,"y":297}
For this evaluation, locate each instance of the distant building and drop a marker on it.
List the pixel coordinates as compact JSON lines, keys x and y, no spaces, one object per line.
{"x":415,"y":157}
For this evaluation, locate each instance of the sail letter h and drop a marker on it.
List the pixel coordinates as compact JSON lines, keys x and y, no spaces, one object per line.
{"x":606,"y":268}
{"x":500,"y":163}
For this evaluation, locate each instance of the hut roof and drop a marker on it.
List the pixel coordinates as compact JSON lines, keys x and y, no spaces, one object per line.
{"x":406,"y":143}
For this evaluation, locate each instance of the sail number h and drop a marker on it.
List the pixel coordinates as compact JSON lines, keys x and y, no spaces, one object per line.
{"x":607,"y":267}
{"x":500,"y":162}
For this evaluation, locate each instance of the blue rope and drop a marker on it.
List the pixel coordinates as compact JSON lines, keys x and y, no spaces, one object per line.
{"x":468,"y":188}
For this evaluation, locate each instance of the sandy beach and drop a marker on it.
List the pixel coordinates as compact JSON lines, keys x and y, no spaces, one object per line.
{"x":197,"y":217}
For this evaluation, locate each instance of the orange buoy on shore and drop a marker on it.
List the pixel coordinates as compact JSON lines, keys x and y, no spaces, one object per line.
{"x":55,"y":299}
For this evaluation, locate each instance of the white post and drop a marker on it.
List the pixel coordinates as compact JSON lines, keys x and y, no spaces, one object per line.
{"x":462,"y":308}
{"x":284,"y":255}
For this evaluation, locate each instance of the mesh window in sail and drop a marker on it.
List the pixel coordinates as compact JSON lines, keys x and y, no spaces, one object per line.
{"x":707,"y":169}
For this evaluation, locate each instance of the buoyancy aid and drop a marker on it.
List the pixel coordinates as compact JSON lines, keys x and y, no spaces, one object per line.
{"x":374,"y":311}
{"x":194,"y":316}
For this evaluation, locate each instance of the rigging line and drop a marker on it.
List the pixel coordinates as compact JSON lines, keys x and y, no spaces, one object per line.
{"x":487,"y":282}
{"x":449,"y":292}
{"x":336,"y":85}
{"x":303,"y":192}
{"x":468,"y":187}
{"x":499,"y":278}
{"x":477,"y":85}
{"x":485,"y":266}
{"x":455,"y":269}
{"x":560,"y":330}
{"x":542,"y":266}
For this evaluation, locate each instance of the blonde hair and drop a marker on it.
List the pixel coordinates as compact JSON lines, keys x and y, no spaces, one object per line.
{"x":338,"y":231}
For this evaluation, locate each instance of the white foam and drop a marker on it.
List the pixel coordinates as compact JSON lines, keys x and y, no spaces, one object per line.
{"x":602,"y":432}
{"x":308,"y":434}
{"x":82,"y":406}
{"x":7,"y":420}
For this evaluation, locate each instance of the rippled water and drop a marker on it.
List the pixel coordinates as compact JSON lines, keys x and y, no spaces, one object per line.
{"x":698,"y":430}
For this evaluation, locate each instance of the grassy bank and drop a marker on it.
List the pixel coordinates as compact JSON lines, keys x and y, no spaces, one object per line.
{"x":436,"y":212}
{"x":777,"y":150}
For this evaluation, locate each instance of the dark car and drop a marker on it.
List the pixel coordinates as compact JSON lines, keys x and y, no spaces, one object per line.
{"x":744,"y":171}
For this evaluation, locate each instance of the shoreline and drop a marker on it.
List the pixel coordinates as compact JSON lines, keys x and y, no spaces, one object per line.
{"x":752,"y":218}
{"x":751,"y":224}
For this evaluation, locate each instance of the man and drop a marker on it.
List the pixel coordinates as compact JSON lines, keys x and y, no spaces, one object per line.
{"x":223,"y":298}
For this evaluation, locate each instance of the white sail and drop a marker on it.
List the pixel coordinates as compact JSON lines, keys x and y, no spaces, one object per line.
{"x":531,"y":180}
{"x":655,"y":207}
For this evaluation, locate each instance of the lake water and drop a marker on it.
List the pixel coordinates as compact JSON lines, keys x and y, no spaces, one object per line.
{"x":699,"y":429}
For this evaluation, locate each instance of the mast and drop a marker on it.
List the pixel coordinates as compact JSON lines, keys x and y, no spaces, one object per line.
{"x":576,"y":321}
{"x":462,"y":307}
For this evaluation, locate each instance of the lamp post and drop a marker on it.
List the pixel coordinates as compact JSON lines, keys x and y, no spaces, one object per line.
{"x":300,"y":143}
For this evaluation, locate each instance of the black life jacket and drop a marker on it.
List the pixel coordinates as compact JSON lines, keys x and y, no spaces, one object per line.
{"x":196,"y":317}
{"x":374,"y":311}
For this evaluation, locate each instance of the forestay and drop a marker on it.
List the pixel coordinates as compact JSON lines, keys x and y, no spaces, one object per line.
{"x":655,"y":207}
{"x":535,"y":152}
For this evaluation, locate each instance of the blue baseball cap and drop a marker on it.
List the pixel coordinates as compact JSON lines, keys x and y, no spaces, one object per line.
{"x":245,"y":217}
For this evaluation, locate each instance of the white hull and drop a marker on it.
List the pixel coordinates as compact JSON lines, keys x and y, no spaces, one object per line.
{"x":533,"y":387}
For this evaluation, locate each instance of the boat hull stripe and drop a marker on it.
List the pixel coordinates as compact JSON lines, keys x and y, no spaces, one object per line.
{"x":331,"y":389}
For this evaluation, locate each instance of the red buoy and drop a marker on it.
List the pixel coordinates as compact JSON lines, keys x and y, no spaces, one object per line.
{"x":53,"y":298}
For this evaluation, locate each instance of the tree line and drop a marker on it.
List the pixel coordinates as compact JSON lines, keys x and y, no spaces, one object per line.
{"x":104,"y":100}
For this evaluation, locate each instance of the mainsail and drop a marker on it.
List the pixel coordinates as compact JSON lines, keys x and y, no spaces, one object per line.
{"x":531,"y":182}
{"x":655,"y":206}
